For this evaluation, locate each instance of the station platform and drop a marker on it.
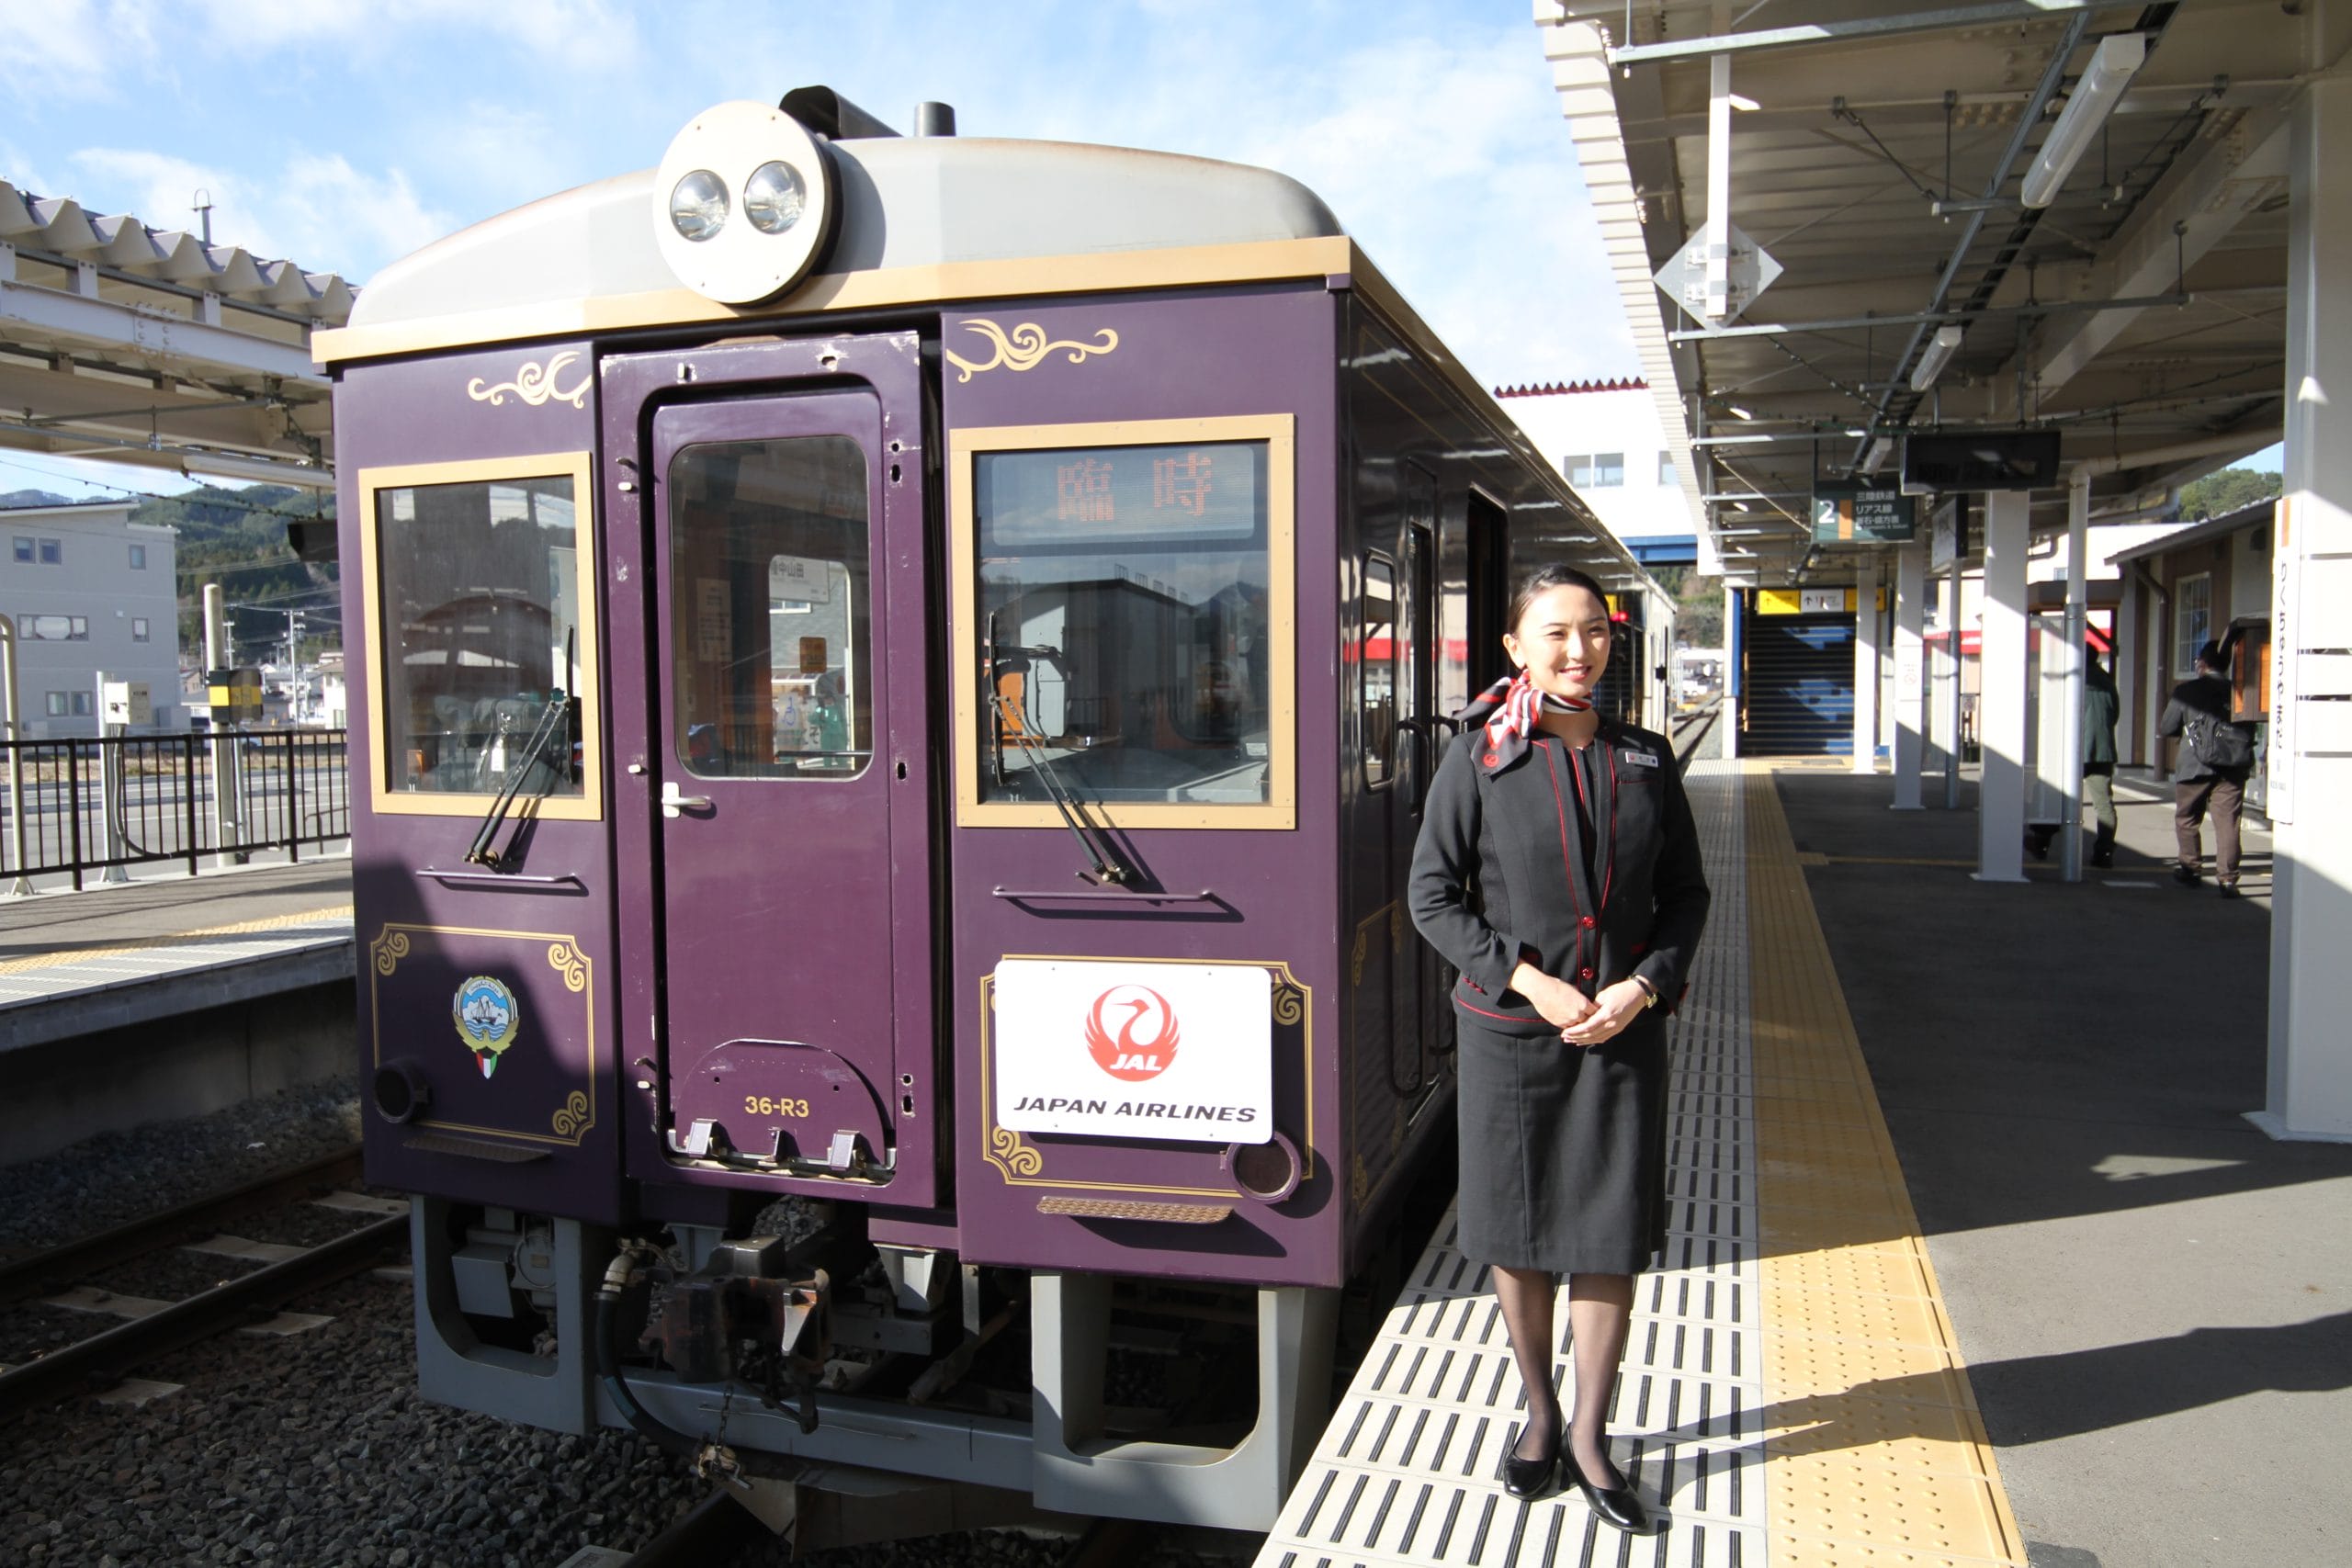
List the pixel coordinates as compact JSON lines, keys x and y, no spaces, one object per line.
{"x":1975,"y":1259}
{"x":236,"y":960}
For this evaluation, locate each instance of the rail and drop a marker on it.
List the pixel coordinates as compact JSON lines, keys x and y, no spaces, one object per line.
{"x":71,"y":807}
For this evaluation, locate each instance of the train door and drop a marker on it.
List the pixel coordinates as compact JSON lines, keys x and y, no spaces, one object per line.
{"x":1419,"y":985}
{"x":780,"y":714}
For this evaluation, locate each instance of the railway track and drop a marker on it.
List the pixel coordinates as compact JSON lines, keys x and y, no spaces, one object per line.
{"x":1692,"y":728}
{"x":150,"y":1327}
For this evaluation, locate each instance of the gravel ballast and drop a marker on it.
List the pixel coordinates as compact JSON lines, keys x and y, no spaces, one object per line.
{"x":315,"y":1449}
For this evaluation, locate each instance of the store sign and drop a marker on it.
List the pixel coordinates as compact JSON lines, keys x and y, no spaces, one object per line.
{"x":1862,"y":515}
{"x":1126,"y":1050}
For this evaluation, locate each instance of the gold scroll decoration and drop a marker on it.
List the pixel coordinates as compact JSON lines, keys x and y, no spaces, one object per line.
{"x":1025,"y":348}
{"x":389,"y":948}
{"x":568,"y":961}
{"x":536,"y":386}
{"x":1007,"y":1149}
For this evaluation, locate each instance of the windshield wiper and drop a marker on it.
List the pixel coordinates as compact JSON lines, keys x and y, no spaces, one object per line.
{"x":1107,"y":869}
{"x":555,"y":722}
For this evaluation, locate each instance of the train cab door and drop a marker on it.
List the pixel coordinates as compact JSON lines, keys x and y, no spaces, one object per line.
{"x":785,"y":715}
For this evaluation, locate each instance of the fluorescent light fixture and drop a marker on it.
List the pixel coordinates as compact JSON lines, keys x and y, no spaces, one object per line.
{"x":1730,"y":440}
{"x":1880,"y":451}
{"x":2113,"y":64}
{"x":1736,"y":411}
{"x":1744,"y":533}
{"x":1856,"y":430}
{"x":1937,"y":355}
{"x":1741,"y":102}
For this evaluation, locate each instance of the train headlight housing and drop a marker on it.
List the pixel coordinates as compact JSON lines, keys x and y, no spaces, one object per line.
{"x":758,"y":162}
{"x":774,"y":197}
{"x":698,"y":206}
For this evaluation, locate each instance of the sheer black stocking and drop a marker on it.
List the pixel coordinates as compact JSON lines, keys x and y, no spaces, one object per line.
{"x":1525,"y":1296}
{"x":1601,"y":1310}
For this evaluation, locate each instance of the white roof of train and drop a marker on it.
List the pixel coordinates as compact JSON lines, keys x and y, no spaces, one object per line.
{"x":907,"y":202}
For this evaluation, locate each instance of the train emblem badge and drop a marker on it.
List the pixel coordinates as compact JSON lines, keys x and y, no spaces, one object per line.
{"x":487,"y":1018}
{"x":1132,"y":1056}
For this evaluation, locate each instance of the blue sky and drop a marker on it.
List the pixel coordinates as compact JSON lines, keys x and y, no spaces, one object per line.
{"x":342,"y":134}
{"x":345,"y":133}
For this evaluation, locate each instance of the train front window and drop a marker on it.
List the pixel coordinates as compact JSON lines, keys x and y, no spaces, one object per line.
{"x":483,"y":647}
{"x":1122,"y":622}
{"x":769,"y":606}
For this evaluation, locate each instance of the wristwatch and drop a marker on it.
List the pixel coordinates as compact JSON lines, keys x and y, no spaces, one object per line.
{"x":1649,"y":992}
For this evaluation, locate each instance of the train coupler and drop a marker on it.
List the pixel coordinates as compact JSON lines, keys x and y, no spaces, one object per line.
{"x":734,"y":1320}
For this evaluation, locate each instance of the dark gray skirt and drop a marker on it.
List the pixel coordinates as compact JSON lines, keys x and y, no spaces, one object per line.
{"x":1563,"y":1148}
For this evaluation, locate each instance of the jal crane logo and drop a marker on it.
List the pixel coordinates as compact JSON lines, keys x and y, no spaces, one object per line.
{"x":1131,"y":1033}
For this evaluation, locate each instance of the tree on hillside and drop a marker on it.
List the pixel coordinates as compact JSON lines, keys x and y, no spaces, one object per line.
{"x":2223,"y":491}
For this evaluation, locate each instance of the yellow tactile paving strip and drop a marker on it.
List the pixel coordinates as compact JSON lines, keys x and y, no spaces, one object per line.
{"x":1874,"y":1451}
{"x":179,"y":939}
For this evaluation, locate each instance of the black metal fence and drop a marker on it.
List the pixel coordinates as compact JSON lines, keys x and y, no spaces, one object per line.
{"x":133,"y":800}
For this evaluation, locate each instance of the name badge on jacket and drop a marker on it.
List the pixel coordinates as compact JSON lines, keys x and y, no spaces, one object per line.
{"x":1642,"y":759}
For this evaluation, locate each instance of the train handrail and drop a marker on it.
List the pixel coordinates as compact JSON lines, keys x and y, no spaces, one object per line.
{"x":1123,"y":895}
{"x":500,"y":878}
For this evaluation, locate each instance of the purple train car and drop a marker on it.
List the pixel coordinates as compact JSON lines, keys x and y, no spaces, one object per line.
{"x":898,"y":677}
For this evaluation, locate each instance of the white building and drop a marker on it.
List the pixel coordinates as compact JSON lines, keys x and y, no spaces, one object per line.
{"x":89,"y":591}
{"x":1606,"y":439}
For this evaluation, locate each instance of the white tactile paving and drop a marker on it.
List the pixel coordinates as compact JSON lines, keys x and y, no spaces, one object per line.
{"x":1407,"y":1472}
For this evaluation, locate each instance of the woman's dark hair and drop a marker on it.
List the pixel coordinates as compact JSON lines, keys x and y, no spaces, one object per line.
{"x":1542,"y":581}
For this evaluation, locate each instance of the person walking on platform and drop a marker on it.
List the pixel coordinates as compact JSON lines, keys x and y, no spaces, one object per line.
{"x":2209,"y":774}
{"x":1559,"y":871}
{"x":2101,"y":705}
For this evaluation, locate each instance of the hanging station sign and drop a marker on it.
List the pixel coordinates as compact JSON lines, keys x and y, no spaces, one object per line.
{"x":1862,"y":515}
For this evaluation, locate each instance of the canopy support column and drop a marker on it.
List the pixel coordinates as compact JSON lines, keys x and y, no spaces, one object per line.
{"x":1910,"y":693}
{"x":2001,"y":692}
{"x":2309,"y":1092}
{"x":1866,"y":660}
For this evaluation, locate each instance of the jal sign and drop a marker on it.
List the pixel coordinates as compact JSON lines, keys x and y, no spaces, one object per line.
{"x":1177,"y":1051}
{"x":1863,"y":514}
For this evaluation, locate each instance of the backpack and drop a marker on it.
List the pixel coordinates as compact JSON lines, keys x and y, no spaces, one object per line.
{"x":2219,"y":744}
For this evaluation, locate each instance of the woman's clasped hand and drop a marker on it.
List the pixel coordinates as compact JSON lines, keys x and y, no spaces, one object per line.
{"x":1581,"y":1019}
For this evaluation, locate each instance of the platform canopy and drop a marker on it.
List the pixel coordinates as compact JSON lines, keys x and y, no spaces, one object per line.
{"x":1881,"y":153}
{"x":145,"y":345}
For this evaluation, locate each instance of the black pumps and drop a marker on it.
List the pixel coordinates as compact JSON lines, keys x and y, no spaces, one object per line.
{"x":1530,"y":1478}
{"x":1616,"y":1505}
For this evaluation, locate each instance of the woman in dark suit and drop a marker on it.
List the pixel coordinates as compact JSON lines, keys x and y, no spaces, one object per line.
{"x":1559,"y":872}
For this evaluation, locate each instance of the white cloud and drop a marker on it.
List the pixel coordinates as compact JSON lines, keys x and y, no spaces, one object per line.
{"x":72,"y":48}
{"x":572,"y":34}
{"x":318,"y":211}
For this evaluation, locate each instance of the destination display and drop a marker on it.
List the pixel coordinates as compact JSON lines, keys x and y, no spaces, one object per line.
{"x":1863,"y":514}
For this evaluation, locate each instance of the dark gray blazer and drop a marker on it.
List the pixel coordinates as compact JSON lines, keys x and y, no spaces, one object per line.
{"x":1499,"y":876}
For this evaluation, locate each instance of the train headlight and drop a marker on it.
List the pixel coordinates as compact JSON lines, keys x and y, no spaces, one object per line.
{"x":698,"y":206}
{"x":758,"y":162}
{"x":774,"y":197}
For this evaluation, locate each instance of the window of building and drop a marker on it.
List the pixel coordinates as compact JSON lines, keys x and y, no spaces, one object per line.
{"x":2192,"y":619}
{"x":138,"y":629}
{"x":139,"y":558}
{"x":24,"y":547}
{"x":53,"y":628}
{"x":1665,"y":468}
{"x":1608,"y":469}
{"x":57,"y":705}
{"x":52,"y":552}
{"x":81,"y":704}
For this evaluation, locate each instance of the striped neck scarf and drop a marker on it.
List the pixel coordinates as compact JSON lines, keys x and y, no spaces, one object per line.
{"x":1508,"y":710}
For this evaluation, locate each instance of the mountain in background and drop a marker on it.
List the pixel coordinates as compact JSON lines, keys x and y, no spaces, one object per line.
{"x":237,"y":537}
{"x":32,"y":498}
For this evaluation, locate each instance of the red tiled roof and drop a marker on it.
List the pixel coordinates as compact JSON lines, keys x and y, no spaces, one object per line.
{"x":1558,"y":389}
